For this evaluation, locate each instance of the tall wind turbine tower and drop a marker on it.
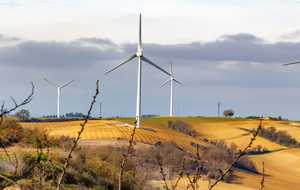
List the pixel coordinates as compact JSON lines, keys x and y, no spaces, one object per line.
{"x":141,"y":57}
{"x":172,"y":81}
{"x":58,"y":93}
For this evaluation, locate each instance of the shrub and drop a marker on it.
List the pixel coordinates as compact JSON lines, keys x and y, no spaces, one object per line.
{"x":10,"y":132}
{"x":182,"y":127}
{"x":218,"y":155}
{"x":246,"y":164}
{"x":281,"y":137}
{"x":253,"y":117}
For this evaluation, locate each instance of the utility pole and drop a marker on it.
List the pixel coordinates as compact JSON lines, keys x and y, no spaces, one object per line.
{"x":218,"y":109}
{"x":100,"y":109}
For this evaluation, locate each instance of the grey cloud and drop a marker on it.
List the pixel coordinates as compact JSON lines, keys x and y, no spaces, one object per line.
{"x":242,"y":37}
{"x":232,"y":48}
{"x":8,"y":39}
{"x":95,"y":41}
{"x":52,"y":54}
{"x":239,"y":47}
{"x":291,"y":36}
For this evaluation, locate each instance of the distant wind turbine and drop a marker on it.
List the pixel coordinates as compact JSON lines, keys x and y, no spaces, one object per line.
{"x":172,"y":81}
{"x":139,"y":54}
{"x":58,"y":93}
{"x":291,"y":63}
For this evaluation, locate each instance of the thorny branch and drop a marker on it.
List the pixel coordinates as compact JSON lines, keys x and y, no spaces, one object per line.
{"x":242,"y":153}
{"x":26,"y":101}
{"x":180,"y":175}
{"x":3,"y":112}
{"x":193,"y":181}
{"x":162,"y":173}
{"x":126,"y":154}
{"x":78,"y":137}
{"x":50,"y":160}
{"x":263,"y":178}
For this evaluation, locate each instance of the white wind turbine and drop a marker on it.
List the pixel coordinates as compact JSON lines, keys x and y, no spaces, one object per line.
{"x":172,"y":81}
{"x":139,"y":54}
{"x":58,"y":93}
{"x":291,"y":63}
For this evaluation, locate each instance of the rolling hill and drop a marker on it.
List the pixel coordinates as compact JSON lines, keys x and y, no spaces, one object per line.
{"x":282,"y":167}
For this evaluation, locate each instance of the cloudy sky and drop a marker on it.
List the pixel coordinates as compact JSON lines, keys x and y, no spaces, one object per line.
{"x":224,"y":51}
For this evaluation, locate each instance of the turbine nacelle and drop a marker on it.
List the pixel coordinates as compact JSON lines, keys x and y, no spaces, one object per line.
{"x":139,"y":54}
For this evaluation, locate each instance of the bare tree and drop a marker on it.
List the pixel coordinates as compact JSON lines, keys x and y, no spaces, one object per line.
{"x":23,"y":115}
{"x":229,"y":112}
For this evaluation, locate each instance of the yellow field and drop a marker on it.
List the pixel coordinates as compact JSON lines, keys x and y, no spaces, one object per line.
{"x":112,"y":130}
{"x":282,"y":167}
{"x":231,"y":132}
{"x":203,"y":184}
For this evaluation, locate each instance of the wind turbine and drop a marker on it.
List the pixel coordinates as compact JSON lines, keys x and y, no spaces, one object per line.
{"x":58,"y":93}
{"x":291,"y":63}
{"x":172,"y":81}
{"x":139,"y":54}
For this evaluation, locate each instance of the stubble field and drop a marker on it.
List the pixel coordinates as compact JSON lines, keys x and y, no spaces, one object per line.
{"x":282,"y":167}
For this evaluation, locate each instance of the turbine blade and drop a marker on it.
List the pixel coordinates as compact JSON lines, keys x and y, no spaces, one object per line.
{"x":180,"y":83}
{"x":171,"y":68}
{"x":163,"y":84}
{"x":130,"y":58}
{"x":50,"y":82}
{"x":66,"y":84}
{"x":291,"y":63}
{"x":140,"y":48}
{"x":151,"y":63}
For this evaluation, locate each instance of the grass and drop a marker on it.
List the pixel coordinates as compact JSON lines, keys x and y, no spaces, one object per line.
{"x":190,"y":120}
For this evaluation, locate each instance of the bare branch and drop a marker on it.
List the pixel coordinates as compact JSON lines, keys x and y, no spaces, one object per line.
{"x":197,"y":172}
{"x":242,"y":153}
{"x":26,"y":101}
{"x":180,"y":175}
{"x":162,"y":173}
{"x":2,"y":146}
{"x":263,"y":178}
{"x":78,"y":137}
{"x":50,"y":160}
{"x":7,"y":179}
{"x":126,"y":154}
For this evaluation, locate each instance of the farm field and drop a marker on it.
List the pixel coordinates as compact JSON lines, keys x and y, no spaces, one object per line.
{"x":282,"y":168}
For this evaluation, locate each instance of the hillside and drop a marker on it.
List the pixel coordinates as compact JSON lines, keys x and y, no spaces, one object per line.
{"x":282,"y":167}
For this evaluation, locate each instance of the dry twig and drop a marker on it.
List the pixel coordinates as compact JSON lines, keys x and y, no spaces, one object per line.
{"x":126,"y":154}
{"x":242,"y":153}
{"x":193,"y":181}
{"x":50,"y":160}
{"x":263,"y":178}
{"x":26,"y":101}
{"x":162,"y":173}
{"x":180,"y":175}
{"x":76,"y":140}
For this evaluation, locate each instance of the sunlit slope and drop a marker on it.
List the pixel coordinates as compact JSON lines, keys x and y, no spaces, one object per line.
{"x":203,"y":184}
{"x":112,"y":130}
{"x":228,"y":129}
{"x":282,"y":170}
{"x":233,"y":132}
